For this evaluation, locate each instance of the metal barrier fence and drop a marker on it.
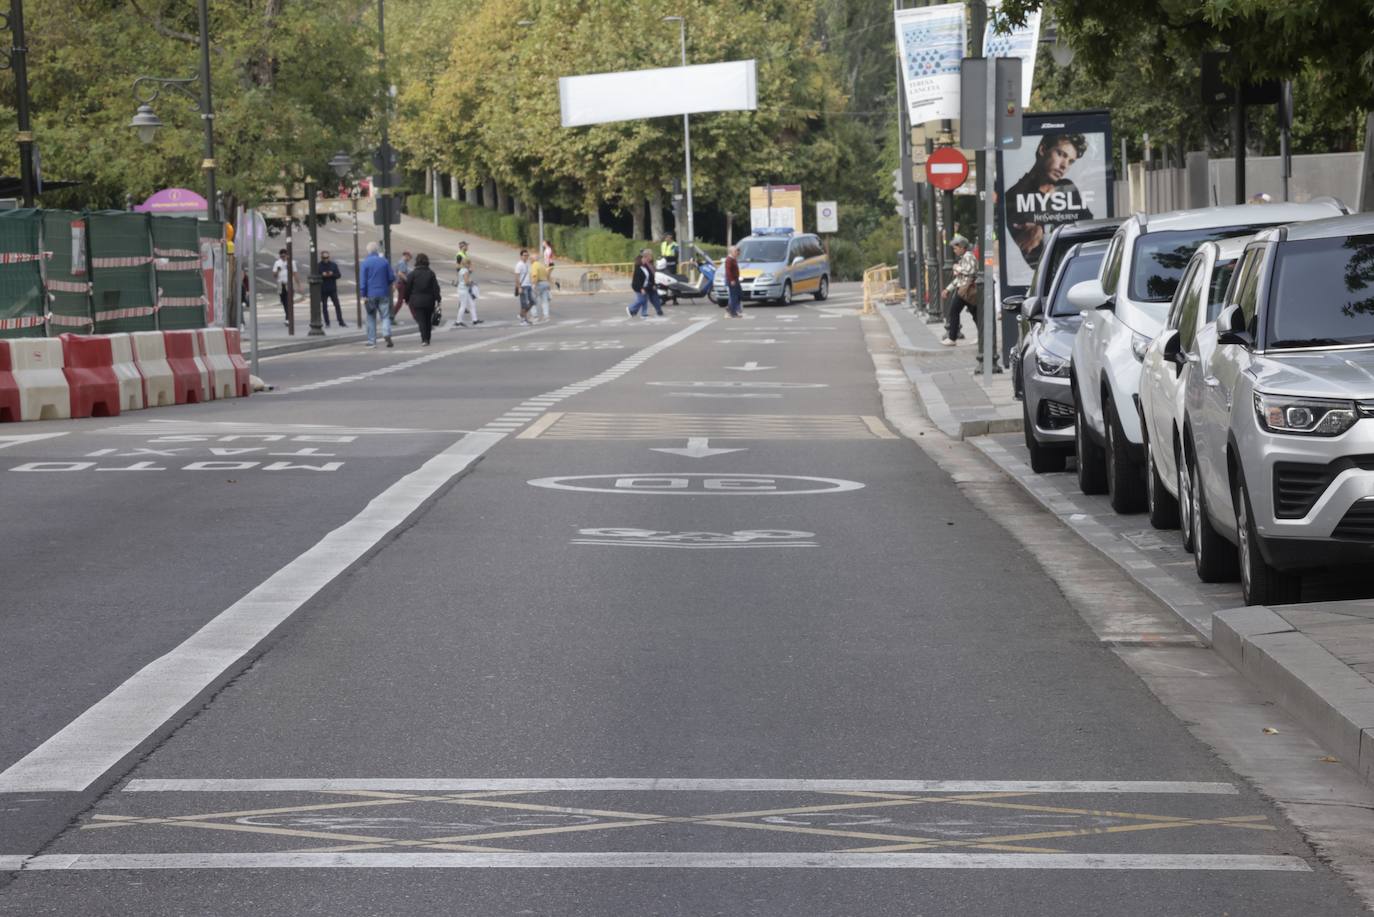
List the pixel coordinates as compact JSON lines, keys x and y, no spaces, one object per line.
{"x":880,"y":285}
{"x":605,"y":278}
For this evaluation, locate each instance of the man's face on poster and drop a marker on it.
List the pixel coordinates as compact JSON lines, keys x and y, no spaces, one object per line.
{"x":1058,"y":159}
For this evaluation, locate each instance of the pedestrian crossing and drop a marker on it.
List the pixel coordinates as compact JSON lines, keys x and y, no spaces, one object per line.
{"x":714,"y":426}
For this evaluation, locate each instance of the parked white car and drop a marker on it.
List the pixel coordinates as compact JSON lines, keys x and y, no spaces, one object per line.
{"x":1129,"y":301}
{"x":1279,"y":423}
{"x":1188,"y":338}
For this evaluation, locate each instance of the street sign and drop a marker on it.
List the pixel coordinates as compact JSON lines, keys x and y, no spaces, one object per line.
{"x":388,"y":210}
{"x":384,"y":158}
{"x":947,"y":168}
{"x":827,"y":216}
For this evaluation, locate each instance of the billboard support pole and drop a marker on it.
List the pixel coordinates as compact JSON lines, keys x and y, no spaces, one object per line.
{"x":904,"y":161}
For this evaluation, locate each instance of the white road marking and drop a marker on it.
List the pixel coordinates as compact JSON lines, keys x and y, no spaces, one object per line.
{"x":751,"y":367}
{"x":16,"y":439}
{"x":114,"y":726}
{"x":694,"y":484}
{"x":754,"y":395}
{"x":697,"y":447}
{"x":153,"y":428}
{"x":825,"y":860}
{"x":672,"y":784}
{"x":742,"y":384}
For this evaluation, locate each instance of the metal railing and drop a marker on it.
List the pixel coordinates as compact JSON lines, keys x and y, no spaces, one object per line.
{"x":880,"y":285}
{"x":604,"y":278}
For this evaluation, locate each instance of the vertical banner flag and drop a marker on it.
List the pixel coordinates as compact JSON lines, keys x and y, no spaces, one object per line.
{"x":1061,"y":174}
{"x":1021,"y":41}
{"x":930,"y":45}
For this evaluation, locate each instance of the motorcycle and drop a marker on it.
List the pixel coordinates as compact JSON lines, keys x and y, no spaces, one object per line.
{"x":675,"y":287}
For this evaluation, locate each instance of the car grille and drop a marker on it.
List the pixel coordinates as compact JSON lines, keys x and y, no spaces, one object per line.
{"x":1366,"y":408}
{"x":1055,"y":415}
{"x":1298,"y":485}
{"x":1358,"y":524}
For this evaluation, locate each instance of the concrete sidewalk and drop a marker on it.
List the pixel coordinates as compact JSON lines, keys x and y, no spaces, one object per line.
{"x":956,"y":399}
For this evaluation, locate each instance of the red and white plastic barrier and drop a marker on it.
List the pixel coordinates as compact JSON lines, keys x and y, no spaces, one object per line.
{"x":10,"y":408}
{"x":88,"y":365}
{"x":214,"y":351}
{"x":37,"y":369}
{"x":243,"y":376}
{"x":126,"y":371}
{"x":150,"y":354}
{"x":192,"y":378}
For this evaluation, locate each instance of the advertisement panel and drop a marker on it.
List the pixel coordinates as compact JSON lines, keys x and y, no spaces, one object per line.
{"x":599,"y":98}
{"x":1061,"y":174}
{"x":1021,"y":41}
{"x":930,"y":45}
{"x":777,"y":206}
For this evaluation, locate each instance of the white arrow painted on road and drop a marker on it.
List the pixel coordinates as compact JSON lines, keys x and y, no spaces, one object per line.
{"x":698,"y":447}
{"x":751,"y":367}
{"x":16,"y":439}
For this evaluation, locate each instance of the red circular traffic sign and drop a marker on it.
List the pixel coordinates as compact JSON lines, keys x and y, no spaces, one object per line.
{"x":946,"y":168}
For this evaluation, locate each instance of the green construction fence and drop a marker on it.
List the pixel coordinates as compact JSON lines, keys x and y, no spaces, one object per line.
{"x":21,"y":279}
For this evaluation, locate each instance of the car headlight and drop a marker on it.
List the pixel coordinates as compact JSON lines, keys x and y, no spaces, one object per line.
{"x":764,"y":278}
{"x":1304,"y":416}
{"x":1139,"y":344}
{"x":1047,"y":364}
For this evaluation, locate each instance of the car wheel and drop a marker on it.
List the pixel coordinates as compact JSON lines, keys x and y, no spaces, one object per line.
{"x":1123,"y":476}
{"x":823,"y":291}
{"x":1092,"y":475}
{"x":1042,"y":458}
{"x":1213,"y":556}
{"x":1163,"y":508}
{"x":1260,"y":584}
{"x":1185,"y":504}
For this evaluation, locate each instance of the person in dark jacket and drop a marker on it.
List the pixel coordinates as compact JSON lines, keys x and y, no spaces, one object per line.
{"x":423,"y":296}
{"x":641,"y":283}
{"x":329,"y":288}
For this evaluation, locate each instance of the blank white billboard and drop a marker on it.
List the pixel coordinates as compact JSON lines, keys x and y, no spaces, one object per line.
{"x":631,"y":95}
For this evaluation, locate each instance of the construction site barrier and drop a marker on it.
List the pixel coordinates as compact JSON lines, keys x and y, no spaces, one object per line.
{"x":243,"y":377}
{"x":159,"y":382}
{"x":127,"y":372}
{"x":605,"y":278}
{"x":192,"y":378}
{"x":88,"y":365}
{"x":36,"y":364}
{"x":880,"y":285}
{"x":10,"y":409}
{"x":214,"y":352}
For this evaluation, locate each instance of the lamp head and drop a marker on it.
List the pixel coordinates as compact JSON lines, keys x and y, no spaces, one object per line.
{"x":340,"y":163}
{"x":146,"y":122}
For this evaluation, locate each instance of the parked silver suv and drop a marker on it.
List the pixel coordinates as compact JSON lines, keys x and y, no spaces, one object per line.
{"x":1279,"y":433}
{"x":1130,"y":300}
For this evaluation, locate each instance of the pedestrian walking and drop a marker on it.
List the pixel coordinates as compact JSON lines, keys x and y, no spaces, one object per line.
{"x":543,"y":292}
{"x":467,"y":302}
{"x":652,"y":289}
{"x":377,"y":279}
{"x":463,"y":258}
{"x":524,"y":286}
{"x":423,"y":296}
{"x":402,"y":271}
{"x":329,"y":288}
{"x":962,"y":292}
{"x":283,"y":271}
{"x":546,"y":253}
{"x":641,"y":283}
{"x":735,"y":293}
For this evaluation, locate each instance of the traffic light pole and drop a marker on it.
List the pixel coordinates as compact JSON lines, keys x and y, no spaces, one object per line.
{"x":904,"y":166}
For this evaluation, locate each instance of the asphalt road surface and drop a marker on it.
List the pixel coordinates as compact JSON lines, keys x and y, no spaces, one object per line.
{"x":602,"y":616}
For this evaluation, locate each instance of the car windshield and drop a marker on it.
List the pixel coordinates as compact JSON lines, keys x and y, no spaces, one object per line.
{"x":1075,"y":270}
{"x":1160,"y":258}
{"x":763,"y":249}
{"x":1322,"y":293}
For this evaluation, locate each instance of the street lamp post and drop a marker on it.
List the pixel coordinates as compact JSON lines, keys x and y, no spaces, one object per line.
{"x":385,"y":191}
{"x":315,"y":281}
{"x":146,"y":121}
{"x":690,"y":241}
{"x":17,"y":60}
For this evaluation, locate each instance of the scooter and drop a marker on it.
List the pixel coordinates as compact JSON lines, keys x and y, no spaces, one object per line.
{"x":674,"y":287}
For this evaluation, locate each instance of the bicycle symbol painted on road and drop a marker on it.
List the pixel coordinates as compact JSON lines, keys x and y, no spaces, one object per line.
{"x":649,"y":538}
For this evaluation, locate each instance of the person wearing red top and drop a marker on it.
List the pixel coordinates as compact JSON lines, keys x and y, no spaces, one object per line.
{"x":735,"y":308}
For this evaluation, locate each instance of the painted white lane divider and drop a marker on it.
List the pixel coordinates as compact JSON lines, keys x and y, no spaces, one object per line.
{"x":751,"y":367}
{"x":824,"y":860}
{"x":16,"y":439}
{"x":697,"y":447}
{"x":671,"y":785}
{"x":114,"y":726}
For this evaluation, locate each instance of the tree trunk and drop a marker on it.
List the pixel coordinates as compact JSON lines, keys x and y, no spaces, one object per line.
{"x":656,"y":229}
{"x":637,"y":219}
{"x":518,"y":207}
{"x":502,"y":200}
{"x":454,"y":189}
{"x":729,"y":229}
{"x":594,"y":216}
{"x":489,"y":197}
{"x":473,"y":195}
{"x":1366,"y":203}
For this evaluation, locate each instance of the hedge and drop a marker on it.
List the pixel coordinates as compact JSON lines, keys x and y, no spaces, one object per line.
{"x":578,"y":243}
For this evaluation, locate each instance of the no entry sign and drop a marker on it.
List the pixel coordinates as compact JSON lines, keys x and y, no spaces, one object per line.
{"x":946,"y":168}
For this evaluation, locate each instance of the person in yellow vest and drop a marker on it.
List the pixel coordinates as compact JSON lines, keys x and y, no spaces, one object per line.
{"x":543,"y":294}
{"x":668,"y":252}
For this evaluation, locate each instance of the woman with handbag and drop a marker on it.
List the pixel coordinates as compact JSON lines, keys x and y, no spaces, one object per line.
{"x":962,"y":292}
{"x":423,"y":296}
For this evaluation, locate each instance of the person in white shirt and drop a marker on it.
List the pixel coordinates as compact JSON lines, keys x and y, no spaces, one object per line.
{"x":283,"y":271}
{"x":467,"y":302}
{"x":524,"y":287}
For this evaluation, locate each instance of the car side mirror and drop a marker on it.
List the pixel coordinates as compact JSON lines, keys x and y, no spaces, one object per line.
{"x":1014,"y":302}
{"x":1036,"y":310}
{"x":798,"y":260}
{"x":1087,"y":295}
{"x":1172,"y":349}
{"x":1231,"y":328}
